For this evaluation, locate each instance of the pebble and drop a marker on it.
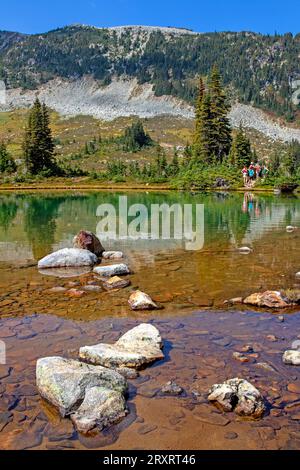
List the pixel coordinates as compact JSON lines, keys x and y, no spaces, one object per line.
{"x":272,"y":338}
{"x":240,"y":357}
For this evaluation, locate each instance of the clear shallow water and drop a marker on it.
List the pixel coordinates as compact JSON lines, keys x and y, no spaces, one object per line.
{"x":34,"y":225}
{"x":198,"y":346}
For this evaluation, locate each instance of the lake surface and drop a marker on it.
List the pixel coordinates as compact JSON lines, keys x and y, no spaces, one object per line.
{"x":189,"y":283}
{"x":34,"y":225}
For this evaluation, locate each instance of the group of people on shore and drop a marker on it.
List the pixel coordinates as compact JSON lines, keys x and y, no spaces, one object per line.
{"x":253,"y":172}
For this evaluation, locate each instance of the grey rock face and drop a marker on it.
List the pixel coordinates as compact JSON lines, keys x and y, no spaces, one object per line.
{"x":112,"y":270}
{"x":136,"y":348}
{"x":68,"y":257}
{"x":66,"y":382}
{"x":238,"y":395}
{"x":291,"y":357}
{"x":141,"y":301}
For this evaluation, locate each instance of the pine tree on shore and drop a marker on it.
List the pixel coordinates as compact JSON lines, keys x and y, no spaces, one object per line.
{"x":241,"y":153}
{"x":38,"y":145}
{"x":204,"y":149}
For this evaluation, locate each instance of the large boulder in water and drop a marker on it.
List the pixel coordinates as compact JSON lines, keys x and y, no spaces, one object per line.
{"x":238,"y":395}
{"x":88,"y":241}
{"x":94,"y":394}
{"x":271,"y":299}
{"x":136,"y":348}
{"x":68,"y":258}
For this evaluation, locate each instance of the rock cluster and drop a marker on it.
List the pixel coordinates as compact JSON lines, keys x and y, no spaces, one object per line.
{"x":238,"y":395}
{"x":94,"y":395}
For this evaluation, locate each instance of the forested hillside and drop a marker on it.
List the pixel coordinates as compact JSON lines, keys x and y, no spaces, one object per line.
{"x":257,"y":69}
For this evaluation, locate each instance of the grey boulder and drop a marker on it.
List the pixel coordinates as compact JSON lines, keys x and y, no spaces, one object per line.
{"x":100,"y":407}
{"x":71,"y":386}
{"x":112,"y":270}
{"x":238,"y":395}
{"x":68,"y":257}
{"x":136,"y":348}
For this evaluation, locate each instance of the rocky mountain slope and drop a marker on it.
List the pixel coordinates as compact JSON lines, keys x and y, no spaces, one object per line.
{"x":127,"y":98}
{"x":148,"y":71}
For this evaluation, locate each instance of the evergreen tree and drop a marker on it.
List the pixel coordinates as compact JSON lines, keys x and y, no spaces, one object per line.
{"x":136,"y":138}
{"x":174,"y":166}
{"x":241,"y":153}
{"x":221,"y":128}
{"x":204,"y":148}
{"x":38,"y":145}
{"x":7,"y":163}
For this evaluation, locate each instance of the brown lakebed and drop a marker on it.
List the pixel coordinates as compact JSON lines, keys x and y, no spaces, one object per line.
{"x":39,"y":318}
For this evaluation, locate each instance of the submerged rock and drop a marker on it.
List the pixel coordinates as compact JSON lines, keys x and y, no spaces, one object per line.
{"x":116,"y":282}
{"x":68,"y":257}
{"x":100,"y":407}
{"x":64,"y":382}
{"x":75,"y":293}
{"x":291,"y":357}
{"x":272,"y":299}
{"x":140,"y":346}
{"x":141,"y":301}
{"x":88,"y":241}
{"x":112,"y":270}
{"x":171,"y":388}
{"x":245,"y":250}
{"x":240,"y":357}
{"x":112,"y":255}
{"x":238,"y":395}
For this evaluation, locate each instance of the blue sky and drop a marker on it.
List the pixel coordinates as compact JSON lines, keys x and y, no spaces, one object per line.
{"x":266,"y":16}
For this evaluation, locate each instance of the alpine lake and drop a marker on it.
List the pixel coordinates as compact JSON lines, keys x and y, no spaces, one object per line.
{"x":189,"y":281}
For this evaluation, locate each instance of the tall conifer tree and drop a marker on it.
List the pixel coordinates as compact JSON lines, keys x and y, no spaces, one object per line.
{"x":38,"y":145}
{"x":221,"y":128}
